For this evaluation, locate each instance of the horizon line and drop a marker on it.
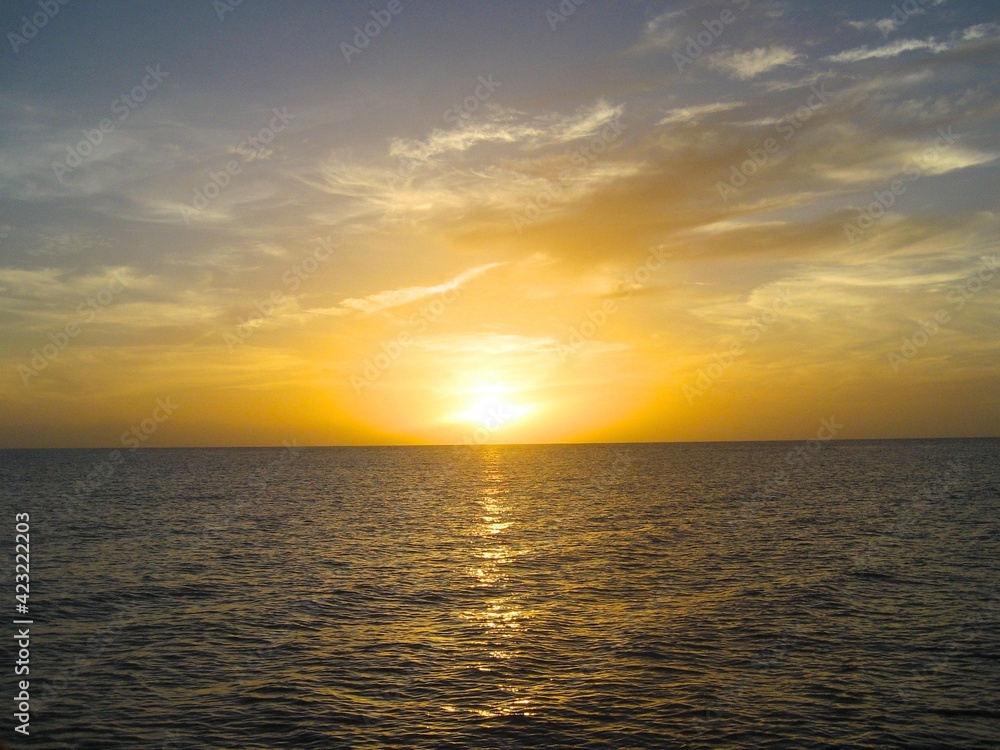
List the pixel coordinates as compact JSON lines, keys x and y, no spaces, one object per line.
{"x":482,"y":445}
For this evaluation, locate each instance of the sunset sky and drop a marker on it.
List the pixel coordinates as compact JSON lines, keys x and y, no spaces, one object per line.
{"x":497,"y":222}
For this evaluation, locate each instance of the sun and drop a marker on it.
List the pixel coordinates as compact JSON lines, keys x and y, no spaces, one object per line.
{"x":490,"y":403}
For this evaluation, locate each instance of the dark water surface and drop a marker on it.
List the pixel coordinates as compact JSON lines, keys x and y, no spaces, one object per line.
{"x":734,"y":595}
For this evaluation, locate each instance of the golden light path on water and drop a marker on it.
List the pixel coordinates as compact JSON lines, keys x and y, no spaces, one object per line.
{"x":502,"y":618}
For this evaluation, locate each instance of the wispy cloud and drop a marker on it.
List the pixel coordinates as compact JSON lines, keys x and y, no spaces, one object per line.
{"x":509,"y":128}
{"x":488,"y":343}
{"x":47,"y":284}
{"x":935,"y":45}
{"x":522,"y":157}
{"x":396,"y":297}
{"x":980,"y":31}
{"x":751,"y":63}
{"x":693,"y":114}
{"x":888,"y":25}
{"x":885,"y":25}
{"x":661,"y":31}
{"x":892,"y":49}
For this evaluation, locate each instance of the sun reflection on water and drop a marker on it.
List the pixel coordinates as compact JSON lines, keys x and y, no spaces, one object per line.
{"x":501,"y":615}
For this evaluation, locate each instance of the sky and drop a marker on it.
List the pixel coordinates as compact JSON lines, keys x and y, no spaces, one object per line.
{"x":314,"y":223}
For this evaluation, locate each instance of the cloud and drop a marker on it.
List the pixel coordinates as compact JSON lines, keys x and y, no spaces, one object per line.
{"x":778,"y":86}
{"x":493,"y":192}
{"x":750,"y":64}
{"x":488,"y":344}
{"x":396,"y":297}
{"x":46,"y":283}
{"x":547,"y":155}
{"x":885,"y":25}
{"x":926,"y":156}
{"x":889,"y":50}
{"x":586,"y":122}
{"x":980,"y":31}
{"x":691,"y":115}
{"x":53,"y":244}
{"x":955,"y":38}
{"x":660,"y":32}
{"x":509,"y":128}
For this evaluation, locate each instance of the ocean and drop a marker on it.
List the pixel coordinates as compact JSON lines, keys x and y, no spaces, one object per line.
{"x":716,"y":595}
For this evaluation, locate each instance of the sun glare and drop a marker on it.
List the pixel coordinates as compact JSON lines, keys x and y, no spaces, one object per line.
{"x":490,"y":403}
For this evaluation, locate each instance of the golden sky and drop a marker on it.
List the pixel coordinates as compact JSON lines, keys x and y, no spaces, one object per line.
{"x":498,"y":223}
